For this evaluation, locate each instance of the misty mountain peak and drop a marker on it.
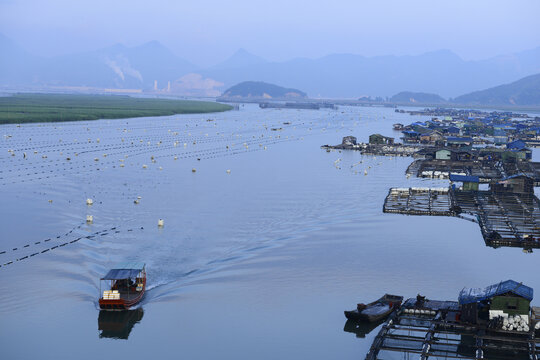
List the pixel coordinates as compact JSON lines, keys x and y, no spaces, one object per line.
{"x":239,"y":59}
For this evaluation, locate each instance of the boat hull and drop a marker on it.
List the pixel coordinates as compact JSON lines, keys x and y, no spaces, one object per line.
{"x":119,"y":304}
{"x":377,"y":310}
{"x":359,"y":316}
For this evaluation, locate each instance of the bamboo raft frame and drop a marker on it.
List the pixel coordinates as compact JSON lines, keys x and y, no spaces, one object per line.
{"x":505,"y":219}
{"x":440,"y":335}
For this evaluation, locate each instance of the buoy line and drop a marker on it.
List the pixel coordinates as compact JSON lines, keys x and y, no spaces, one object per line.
{"x":208,"y":154}
{"x":89,"y":237}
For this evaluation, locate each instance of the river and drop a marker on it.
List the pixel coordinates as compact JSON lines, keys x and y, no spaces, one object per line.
{"x":258,"y":262}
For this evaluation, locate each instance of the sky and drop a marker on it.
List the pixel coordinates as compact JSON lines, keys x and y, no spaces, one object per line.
{"x":206,"y":32}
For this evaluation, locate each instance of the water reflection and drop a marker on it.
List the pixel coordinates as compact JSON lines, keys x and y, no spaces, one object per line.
{"x":118,"y":324}
{"x":361,"y":329}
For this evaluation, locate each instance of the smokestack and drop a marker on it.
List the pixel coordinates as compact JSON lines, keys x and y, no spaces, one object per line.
{"x":155,"y":85}
{"x":169,"y":86}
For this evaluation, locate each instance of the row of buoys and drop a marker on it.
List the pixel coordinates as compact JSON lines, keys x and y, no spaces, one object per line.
{"x":419,"y":311}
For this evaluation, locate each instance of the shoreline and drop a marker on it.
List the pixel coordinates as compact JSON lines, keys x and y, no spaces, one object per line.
{"x":45,"y":108}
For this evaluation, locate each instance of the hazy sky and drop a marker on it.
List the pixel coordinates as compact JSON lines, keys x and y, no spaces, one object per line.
{"x":207,"y":31}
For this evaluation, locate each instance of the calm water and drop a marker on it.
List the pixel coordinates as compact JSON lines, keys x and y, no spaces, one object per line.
{"x":259,"y":263}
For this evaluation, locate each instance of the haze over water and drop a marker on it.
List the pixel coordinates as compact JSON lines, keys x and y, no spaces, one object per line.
{"x":258,"y":263}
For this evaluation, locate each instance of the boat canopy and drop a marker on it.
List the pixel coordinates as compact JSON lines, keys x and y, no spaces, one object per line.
{"x":124,"y":271}
{"x":468,"y":296}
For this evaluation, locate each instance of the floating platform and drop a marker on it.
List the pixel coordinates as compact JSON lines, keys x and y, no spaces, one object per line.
{"x":432,"y":329}
{"x":419,"y":201}
{"x":505,"y":218}
{"x":441,"y":169}
{"x":377,"y":149}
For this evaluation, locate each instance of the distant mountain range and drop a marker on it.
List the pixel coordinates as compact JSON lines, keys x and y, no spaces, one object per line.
{"x":351,"y":76}
{"x":261,"y":90}
{"x":116,"y":66}
{"x":525,"y":91}
{"x":338,"y":75}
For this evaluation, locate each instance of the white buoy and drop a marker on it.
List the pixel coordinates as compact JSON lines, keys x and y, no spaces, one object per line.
{"x":144,"y":166}
{"x":89,"y":219}
{"x":228,"y":171}
{"x":160,"y":223}
{"x":193,"y":170}
{"x":89,"y":201}
{"x":136,"y":201}
{"x":176,"y":158}
{"x":365,"y":172}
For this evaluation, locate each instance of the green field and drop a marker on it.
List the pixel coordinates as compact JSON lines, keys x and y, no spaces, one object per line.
{"x":28,"y":108}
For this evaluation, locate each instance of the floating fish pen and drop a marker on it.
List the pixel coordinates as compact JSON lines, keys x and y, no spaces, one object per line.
{"x":431,"y":329}
{"x":418,"y":201}
{"x":505,"y":218}
{"x":442,"y":169}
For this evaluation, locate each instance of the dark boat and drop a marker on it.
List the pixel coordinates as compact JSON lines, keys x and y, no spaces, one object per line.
{"x":376,"y":310}
{"x":126,"y":286}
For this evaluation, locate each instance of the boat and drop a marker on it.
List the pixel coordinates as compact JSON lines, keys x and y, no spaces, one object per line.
{"x":125,"y":284}
{"x":376,"y":310}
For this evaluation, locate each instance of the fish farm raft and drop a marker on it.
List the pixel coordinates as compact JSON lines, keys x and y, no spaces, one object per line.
{"x":505,"y":218}
{"x":492,"y":323}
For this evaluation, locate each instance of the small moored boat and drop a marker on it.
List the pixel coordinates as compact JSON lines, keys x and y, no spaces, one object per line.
{"x":126,"y":284}
{"x":376,"y":310}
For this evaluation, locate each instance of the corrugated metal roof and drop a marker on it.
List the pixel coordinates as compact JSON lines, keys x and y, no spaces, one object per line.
{"x":472,"y":295}
{"x":124,"y":270}
{"x":130,"y":265}
{"x":119,"y":274}
{"x":464,"y":178}
{"x":517,"y":144}
{"x":459,"y":139}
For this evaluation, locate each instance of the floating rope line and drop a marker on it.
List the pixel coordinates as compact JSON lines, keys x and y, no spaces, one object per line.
{"x":105,"y":232}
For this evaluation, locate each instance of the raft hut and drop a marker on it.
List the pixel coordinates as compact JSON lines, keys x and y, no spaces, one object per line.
{"x":504,"y":299}
{"x":470,"y":183}
{"x":380,"y":139}
{"x":459,"y":142}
